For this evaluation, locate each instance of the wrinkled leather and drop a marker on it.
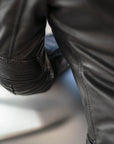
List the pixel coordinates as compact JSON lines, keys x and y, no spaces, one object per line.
{"x":84,"y":30}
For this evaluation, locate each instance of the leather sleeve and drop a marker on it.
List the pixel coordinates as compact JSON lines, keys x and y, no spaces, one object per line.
{"x":24,"y":65}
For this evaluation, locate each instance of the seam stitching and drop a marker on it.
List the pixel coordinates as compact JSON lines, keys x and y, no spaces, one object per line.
{"x":88,"y":100}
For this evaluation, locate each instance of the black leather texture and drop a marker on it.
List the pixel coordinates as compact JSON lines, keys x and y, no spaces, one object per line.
{"x":84,"y":31}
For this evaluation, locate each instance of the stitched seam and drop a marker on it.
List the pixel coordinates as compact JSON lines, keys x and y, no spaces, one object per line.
{"x":88,"y":105}
{"x":88,"y":99}
{"x":87,"y":94}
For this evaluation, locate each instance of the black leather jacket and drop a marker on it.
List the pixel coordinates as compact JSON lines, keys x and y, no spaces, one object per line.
{"x":84,"y":30}
{"x":24,"y":65}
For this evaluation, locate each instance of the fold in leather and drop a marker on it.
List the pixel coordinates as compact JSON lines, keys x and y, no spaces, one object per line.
{"x":84,"y":30}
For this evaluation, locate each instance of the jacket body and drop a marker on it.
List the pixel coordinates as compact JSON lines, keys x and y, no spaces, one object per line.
{"x":84,"y":30}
